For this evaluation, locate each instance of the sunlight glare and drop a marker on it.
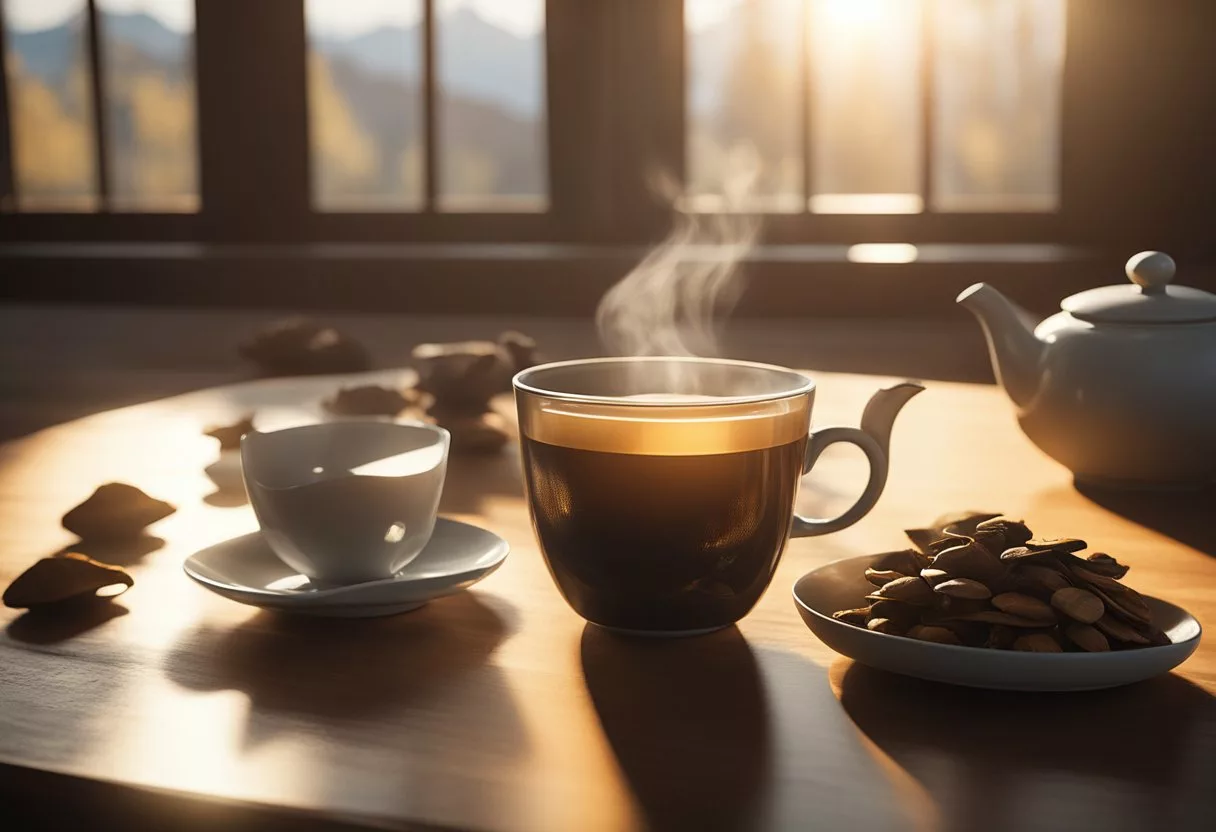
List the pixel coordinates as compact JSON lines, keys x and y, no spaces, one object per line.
{"x":852,"y":14}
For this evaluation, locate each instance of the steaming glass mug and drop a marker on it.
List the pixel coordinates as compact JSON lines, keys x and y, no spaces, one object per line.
{"x":662,"y":489}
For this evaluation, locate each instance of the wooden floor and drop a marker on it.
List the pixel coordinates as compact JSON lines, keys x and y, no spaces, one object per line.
{"x":61,"y":362}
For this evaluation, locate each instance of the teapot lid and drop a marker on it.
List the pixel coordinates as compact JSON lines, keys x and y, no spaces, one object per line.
{"x":1151,"y":301}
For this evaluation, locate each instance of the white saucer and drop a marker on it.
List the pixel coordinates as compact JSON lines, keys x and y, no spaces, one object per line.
{"x":245,"y":570}
{"x":842,"y":585}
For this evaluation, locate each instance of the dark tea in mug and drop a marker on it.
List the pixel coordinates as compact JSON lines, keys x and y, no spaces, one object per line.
{"x":662,"y":512}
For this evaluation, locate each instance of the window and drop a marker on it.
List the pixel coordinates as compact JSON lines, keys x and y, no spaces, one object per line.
{"x":299,"y":122}
{"x":375,"y":106}
{"x":878,"y":106}
{"x":101,"y":104}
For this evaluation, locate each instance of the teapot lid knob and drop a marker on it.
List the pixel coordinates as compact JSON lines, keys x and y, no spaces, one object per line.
{"x":1152,"y":271}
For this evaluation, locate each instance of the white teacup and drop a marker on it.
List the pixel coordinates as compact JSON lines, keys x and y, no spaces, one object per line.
{"x":345,"y":502}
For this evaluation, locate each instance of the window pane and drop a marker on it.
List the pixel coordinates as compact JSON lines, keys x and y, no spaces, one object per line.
{"x":865,"y":58}
{"x":364,"y":104}
{"x":997,"y":104}
{"x":490,"y":93}
{"x":743,"y":94}
{"x":147,"y":53}
{"x":54,"y":166}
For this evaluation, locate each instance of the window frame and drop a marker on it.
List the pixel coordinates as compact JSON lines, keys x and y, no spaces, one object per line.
{"x":615,"y":94}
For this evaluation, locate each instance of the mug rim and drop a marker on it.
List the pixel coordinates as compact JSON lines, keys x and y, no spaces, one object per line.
{"x":520,"y":382}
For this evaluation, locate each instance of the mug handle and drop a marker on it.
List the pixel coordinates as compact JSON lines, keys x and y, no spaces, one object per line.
{"x":873,"y":438}
{"x":820,"y":440}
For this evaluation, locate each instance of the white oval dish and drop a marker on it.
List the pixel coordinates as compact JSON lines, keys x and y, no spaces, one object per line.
{"x":842,"y":585}
{"x":246,"y":570}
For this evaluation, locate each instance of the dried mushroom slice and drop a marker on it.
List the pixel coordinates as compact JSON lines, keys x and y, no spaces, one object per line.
{"x":1103,"y":564}
{"x":903,"y":561}
{"x":1111,"y":627}
{"x":1014,"y":532}
{"x":1057,"y":544}
{"x":52,"y":580}
{"x":1002,"y":636}
{"x":368,"y":400}
{"x":908,"y":590}
{"x":115,"y":511}
{"x":1120,"y":598}
{"x":1040,"y":577}
{"x":905,"y":614}
{"x":1078,"y":604}
{"x":304,"y":346}
{"x":963,"y":524}
{"x":934,"y":576}
{"x":963,"y":588}
{"x":930,"y":541}
{"x":998,"y":617}
{"x":970,"y":560}
{"x":1024,"y":606}
{"x":886,"y":625}
{"x":993,"y":541}
{"x":229,"y":436}
{"x":1037,"y":643}
{"x":880,"y":577}
{"x":937,"y":635}
{"x":855,"y":617}
{"x":1087,"y":638}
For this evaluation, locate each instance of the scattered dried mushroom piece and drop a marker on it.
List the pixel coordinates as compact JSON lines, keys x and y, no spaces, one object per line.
{"x":369,"y":400}
{"x":115,"y":511}
{"x":53,"y":580}
{"x":304,"y":346}
{"x":983,"y":580}
{"x":229,"y":436}
{"x":462,"y":377}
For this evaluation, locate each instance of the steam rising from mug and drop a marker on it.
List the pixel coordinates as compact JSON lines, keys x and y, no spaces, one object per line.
{"x":668,"y":304}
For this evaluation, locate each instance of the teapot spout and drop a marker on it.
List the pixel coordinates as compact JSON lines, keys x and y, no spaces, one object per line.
{"x":1012,"y":345}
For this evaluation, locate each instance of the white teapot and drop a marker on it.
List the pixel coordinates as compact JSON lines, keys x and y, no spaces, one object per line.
{"x":1120,"y":386}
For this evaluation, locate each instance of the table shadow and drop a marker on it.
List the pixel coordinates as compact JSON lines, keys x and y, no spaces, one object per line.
{"x":976,"y":750}
{"x":227,"y":498}
{"x":55,"y":623}
{"x":688,"y":722}
{"x":1186,"y":516}
{"x":341,"y":669}
{"x":115,"y":552}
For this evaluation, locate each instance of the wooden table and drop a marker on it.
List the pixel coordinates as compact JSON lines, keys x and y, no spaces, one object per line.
{"x":499,"y":709}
